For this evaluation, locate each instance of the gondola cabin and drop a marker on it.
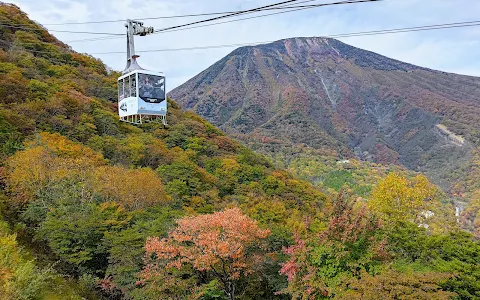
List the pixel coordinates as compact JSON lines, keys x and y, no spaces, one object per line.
{"x":142,"y":97}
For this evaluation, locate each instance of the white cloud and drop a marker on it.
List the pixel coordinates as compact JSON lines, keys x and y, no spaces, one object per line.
{"x":453,"y":50}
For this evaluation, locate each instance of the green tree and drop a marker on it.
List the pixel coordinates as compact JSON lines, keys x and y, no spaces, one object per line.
{"x":457,"y":253}
{"x":19,"y":278}
{"x":351,"y":244}
{"x":76,"y":233}
{"x":398,"y":285}
{"x":126,"y":248}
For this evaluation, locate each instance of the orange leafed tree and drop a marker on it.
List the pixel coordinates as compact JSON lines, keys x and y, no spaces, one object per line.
{"x":224,"y":245}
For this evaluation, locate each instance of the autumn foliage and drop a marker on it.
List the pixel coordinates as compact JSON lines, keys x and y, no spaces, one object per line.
{"x":223,"y":243}
{"x":48,"y":159}
{"x":19,"y":277}
{"x":351,"y":244}
{"x":397,"y":285}
{"x":135,"y":189}
{"x":93,"y":208}
{"x":397,"y":199}
{"x":51,"y":159}
{"x":470,"y":218}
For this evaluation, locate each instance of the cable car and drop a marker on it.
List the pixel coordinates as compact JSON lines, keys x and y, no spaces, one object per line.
{"x":141,"y":93}
{"x":141,"y":97}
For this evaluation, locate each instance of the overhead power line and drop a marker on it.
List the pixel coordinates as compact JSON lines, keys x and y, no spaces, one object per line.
{"x":29,"y":27}
{"x":277,"y":6}
{"x":410,"y":29}
{"x":291,"y":9}
{"x":342,"y":35}
{"x":95,"y":39}
{"x":153,"y":18}
{"x":227,"y":16}
{"x":287,"y":8}
{"x":173,"y":28}
{"x":335,"y":36}
{"x":268,"y":7}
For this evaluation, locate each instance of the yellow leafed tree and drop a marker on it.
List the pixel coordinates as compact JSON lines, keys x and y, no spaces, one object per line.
{"x":52,"y":158}
{"x":134,"y":189}
{"x":399,"y":199}
{"x":48,"y":159}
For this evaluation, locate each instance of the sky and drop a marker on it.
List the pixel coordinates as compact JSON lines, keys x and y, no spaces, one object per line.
{"x":451,"y":50}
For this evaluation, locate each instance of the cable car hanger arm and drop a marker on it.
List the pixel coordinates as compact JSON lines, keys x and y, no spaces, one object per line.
{"x":134,"y":28}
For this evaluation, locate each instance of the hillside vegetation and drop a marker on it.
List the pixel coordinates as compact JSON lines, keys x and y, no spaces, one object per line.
{"x":93,"y":208}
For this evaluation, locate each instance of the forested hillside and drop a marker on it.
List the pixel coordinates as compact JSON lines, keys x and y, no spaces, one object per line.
{"x":93,"y":208}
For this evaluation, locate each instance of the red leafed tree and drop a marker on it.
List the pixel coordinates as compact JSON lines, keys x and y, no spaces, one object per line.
{"x":225,"y":245}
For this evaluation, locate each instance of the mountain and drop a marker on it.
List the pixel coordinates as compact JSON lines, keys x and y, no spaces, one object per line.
{"x":338,"y":100}
{"x":93,"y":208}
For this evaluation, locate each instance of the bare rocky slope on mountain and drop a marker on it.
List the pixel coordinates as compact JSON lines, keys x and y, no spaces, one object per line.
{"x":338,"y":100}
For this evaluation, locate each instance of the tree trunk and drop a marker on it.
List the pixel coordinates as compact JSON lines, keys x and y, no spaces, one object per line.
{"x":231,"y":290}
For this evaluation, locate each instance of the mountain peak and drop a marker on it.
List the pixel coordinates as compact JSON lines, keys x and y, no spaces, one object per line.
{"x":299,"y":48}
{"x":292,"y":45}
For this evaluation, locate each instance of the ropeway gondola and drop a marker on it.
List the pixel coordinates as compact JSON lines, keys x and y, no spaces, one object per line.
{"x":141,"y":93}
